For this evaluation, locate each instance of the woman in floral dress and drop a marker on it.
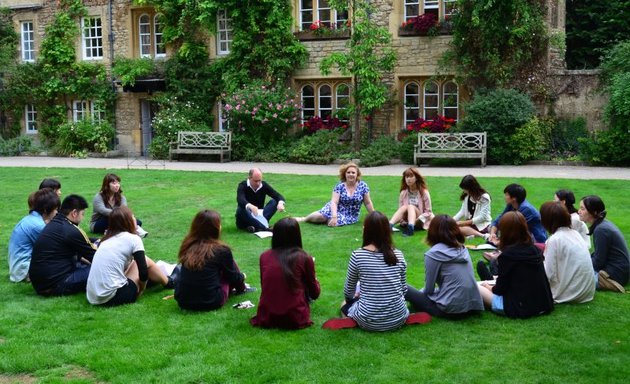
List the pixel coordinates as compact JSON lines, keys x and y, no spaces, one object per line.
{"x":347,"y":197}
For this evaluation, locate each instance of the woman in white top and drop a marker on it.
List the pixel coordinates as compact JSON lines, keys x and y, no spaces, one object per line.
{"x":120,"y":269}
{"x":568,"y":199}
{"x":474,"y":216}
{"x":567,"y":258}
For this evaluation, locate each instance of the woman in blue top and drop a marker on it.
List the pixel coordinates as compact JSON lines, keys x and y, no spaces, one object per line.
{"x":45,"y":203}
{"x":345,"y":204}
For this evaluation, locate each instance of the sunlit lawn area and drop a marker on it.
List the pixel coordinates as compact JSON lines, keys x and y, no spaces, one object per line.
{"x":68,"y":340}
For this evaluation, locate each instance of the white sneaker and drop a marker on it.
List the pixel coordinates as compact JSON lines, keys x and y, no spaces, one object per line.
{"x":141,"y":232}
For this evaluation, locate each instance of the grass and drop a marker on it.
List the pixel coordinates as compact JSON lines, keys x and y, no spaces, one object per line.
{"x":67,"y":340}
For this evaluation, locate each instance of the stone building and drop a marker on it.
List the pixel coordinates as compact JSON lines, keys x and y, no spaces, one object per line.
{"x":118,"y":28}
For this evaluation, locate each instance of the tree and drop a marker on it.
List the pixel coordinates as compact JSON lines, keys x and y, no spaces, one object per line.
{"x":367,"y":58}
{"x":593,"y":27}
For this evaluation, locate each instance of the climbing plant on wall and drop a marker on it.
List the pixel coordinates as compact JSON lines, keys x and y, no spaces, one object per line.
{"x":56,"y":78}
{"x":499,"y":43}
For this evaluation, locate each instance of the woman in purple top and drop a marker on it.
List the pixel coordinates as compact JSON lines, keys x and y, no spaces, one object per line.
{"x":345,"y":204}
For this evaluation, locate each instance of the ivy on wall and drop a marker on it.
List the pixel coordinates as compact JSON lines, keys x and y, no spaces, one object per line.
{"x":500,"y":43}
{"x":56,"y":79}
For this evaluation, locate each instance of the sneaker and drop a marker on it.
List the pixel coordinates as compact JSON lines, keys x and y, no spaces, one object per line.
{"x":248,"y":289}
{"x":141,"y":232}
{"x":250,"y":229}
{"x":604,"y":282}
{"x":408,"y":231}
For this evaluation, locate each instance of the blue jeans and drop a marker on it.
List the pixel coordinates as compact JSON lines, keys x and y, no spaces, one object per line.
{"x":245,"y":219}
{"x":75,"y":282}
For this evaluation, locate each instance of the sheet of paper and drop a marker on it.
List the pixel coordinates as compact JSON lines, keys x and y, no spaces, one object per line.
{"x":263,"y":234}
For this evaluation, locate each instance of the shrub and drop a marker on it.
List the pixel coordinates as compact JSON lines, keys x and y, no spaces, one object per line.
{"x":379,"y":152}
{"x":499,"y":112}
{"x":322,"y":147}
{"x":407,"y":148}
{"x":172,"y":117}
{"x":607,"y":147}
{"x":15,"y":145}
{"x":261,"y":112}
{"x":243,"y":149}
{"x":77,"y":138}
{"x":529,"y":142}
{"x":316,"y":123}
{"x":439,"y":124}
{"x":565,"y":136}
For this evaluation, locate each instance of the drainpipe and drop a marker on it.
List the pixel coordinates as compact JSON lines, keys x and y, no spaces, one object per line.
{"x":110,"y":38}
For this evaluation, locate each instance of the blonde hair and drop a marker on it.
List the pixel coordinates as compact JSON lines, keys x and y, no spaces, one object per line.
{"x":344,"y":168}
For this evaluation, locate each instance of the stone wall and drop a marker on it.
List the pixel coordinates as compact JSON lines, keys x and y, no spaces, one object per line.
{"x":578,"y":95}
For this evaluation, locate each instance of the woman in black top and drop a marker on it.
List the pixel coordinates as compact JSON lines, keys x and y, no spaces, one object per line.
{"x":208,"y":272}
{"x":522,"y":289}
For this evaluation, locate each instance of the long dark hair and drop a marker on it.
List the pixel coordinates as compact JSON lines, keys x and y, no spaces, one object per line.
{"x":287,"y":242}
{"x":201,"y":241}
{"x":377,"y":232}
{"x":443,"y":229}
{"x":513,"y":228}
{"x":470,"y":184}
{"x":569,"y":199}
{"x":120,"y":220}
{"x":596,"y":207}
{"x":106,"y":193}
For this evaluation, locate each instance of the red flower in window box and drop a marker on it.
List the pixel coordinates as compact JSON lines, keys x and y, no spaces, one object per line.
{"x":438,"y":125}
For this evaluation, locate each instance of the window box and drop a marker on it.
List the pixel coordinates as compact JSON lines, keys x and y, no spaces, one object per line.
{"x":443,"y":28}
{"x":326,"y":35}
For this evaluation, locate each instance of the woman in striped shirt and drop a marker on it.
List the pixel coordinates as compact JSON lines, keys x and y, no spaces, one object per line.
{"x":380,"y":271}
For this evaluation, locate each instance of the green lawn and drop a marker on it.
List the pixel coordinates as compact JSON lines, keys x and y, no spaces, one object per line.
{"x":68,"y":340}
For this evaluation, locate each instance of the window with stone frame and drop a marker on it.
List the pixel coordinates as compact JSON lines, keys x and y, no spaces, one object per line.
{"x":150,"y":40}
{"x":92,"y":38}
{"x":30,"y":119}
{"x":325,"y":99}
{"x":27,"y":41}
{"x":88,"y":109}
{"x":224,"y":32}
{"x":441,"y":8}
{"x":313,"y":11}
{"x":428,"y":98}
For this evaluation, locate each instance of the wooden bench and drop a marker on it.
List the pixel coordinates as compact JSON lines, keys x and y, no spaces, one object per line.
{"x":202,"y":143}
{"x":469,"y":145}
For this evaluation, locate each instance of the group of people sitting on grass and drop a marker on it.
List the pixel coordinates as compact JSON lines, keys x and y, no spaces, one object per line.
{"x":525,"y":277}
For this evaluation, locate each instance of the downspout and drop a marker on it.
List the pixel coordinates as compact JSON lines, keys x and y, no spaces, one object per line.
{"x":110,"y":38}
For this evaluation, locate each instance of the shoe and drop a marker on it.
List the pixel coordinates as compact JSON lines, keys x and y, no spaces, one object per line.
{"x":174,"y":277}
{"x":248,"y":289}
{"x":408,"y":231}
{"x":141,"y":232}
{"x":604,"y":282}
{"x":250,"y":229}
{"x":483,"y":271}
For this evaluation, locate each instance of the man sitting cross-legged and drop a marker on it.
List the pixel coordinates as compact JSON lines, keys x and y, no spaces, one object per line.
{"x":61,"y":259}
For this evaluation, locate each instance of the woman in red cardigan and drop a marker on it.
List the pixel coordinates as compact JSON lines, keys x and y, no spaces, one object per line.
{"x":287,"y":277}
